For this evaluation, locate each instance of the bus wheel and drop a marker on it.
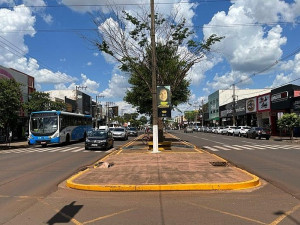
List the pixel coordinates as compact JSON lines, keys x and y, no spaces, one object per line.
{"x":68,"y":139}
{"x":44,"y":145}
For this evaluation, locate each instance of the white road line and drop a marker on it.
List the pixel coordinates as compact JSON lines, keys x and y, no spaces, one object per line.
{"x":243,"y":147}
{"x":78,"y":150}
{"x":248,"y":142}
{"x":222,"y":148}
{"x":209,"y":140}
{"x":255,"y":146}
{"x":232,"y":147}
{"x":211,"y":148}
{"x":67,"y":149}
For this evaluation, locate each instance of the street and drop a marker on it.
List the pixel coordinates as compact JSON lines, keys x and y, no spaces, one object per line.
{"x":275,"y":161}
{"x":33,"y":190}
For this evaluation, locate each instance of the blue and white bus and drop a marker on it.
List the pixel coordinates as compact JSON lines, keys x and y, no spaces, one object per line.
{"x":50,"y":127}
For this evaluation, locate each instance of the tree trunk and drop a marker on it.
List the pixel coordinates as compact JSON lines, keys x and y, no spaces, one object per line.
{"x":161,"y":137}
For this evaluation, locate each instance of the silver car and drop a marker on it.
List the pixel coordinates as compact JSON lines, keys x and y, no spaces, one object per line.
{"x":120,"y":133}
{"x":241,"y":131}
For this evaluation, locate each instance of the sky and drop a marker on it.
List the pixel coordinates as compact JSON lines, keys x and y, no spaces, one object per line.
{"x":51,"y":41}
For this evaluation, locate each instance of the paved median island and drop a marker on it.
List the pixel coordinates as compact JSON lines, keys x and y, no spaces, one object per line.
{"x":184,"y":167}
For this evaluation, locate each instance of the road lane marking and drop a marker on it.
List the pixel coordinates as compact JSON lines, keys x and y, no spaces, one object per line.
{"x":222,"y":148}
{"x":211,"y":148}
{"x":233,"y":147}
{"x":284,"y":215}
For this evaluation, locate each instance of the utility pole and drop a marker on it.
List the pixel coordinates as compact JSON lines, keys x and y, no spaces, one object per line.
{"x":97,"y":113}
{"x":154,"y":100}
{"x":78,"y":88}
{"x":233,"y":109}
{"x":202,"y":103}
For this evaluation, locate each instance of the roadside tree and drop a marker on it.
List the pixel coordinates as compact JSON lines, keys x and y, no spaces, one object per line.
{"x":40,"y":101}
{"x":289,"y":121}
{"x":10,"y":104}
{"x":126,"y":38}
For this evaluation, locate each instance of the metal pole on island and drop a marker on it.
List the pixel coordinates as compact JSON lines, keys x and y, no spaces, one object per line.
{"x":154,"y":99}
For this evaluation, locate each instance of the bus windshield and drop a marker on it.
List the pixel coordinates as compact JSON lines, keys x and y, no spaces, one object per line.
{"x":43,"y":125}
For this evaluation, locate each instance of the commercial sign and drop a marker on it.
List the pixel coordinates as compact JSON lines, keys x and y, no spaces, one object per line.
{"x":263,"y":103}
{"x":163,"y":96}
{"x":279,"y":97}
{"x":251,"y":105}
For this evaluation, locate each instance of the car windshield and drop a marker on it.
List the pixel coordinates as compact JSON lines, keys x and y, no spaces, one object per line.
{"x":98,"y":134}
{"x":132,"y":128}
{"x":119,"y":129}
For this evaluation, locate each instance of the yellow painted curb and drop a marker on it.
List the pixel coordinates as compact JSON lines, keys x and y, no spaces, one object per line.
{"x":165,"y":187}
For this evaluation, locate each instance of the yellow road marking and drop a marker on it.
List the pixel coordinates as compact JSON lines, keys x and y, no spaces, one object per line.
{"x":107,"y":216}
{"x":227,"y":213}
{"x":61,"y":213}
{"x":285,"y":214}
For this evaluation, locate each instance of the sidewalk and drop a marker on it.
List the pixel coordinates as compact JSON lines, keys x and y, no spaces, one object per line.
{"x":15,"y":144}
{"x":184,"y":167}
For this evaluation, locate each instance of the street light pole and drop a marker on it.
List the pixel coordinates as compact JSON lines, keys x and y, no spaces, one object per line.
{"x":97,"y":114}
{"x":154,"y":100}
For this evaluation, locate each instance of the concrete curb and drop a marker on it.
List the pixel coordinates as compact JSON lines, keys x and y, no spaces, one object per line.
{"x":254,"y":182}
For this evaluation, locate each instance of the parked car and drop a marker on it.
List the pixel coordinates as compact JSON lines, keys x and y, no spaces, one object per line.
{"x":241,"y":131}
{"x":99,"y":139}
{"x":208,"y":130}
{"x":219,"y":130}
{"x":259,"y":132}
{"x":229,"y":130}
{"x":188,"y":129}
{"x":132,"y":131}
{"x":120,"y":133}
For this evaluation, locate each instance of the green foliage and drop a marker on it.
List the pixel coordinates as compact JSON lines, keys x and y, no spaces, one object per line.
{"x":143,"y":120}
{"x":40,"y":101}
{"x":289,"y":121}
{"x":10,"y":102}
{"x":135,"y":57}
{"x":190,"y":115}
{"x":170,"y":67}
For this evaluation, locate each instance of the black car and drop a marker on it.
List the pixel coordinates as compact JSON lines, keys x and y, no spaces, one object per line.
{"x":99,"y":139}
{"x":258,"y":132}
{"x":132,"y":131}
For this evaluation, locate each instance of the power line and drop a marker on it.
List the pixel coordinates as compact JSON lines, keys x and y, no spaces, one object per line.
{"x":20,"y":53}
{"x":115,"y":4}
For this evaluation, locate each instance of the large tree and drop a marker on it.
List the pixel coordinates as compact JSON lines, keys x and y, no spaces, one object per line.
{"x":10,"y":103}
{"x":40,"y":101}
{"x":126,"y":38}
{"x":288,"y":122}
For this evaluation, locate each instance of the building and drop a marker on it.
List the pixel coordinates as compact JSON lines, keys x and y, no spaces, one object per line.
{"x":76,"y":101}
{"x":285,"y":99}
{"x":221,"y":107}
{"x":27,"y":87}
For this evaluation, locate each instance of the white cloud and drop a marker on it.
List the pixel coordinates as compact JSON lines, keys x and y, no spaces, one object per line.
{"x":290,"y":74}
{"x":117,"y":87}
{"x":89,"y":63}
{"x":124,"y":107}
{"x":39,"y":10}
{"x":14,"y":50}
{"x":91,"y":85}
{"x":96,"y":54}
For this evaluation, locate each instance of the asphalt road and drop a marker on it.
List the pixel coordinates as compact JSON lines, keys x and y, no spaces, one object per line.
{"x":35,"y":172}
{"x":29,"y":196}
{"x":275,"y":161}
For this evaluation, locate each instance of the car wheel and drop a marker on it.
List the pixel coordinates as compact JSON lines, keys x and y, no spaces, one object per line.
{"x":267,"y":138}
{"x":240,"y":135}
{"x":259,"y":137}
{"x":87,"y":148}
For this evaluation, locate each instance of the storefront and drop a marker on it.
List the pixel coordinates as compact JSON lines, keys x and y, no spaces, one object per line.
{"x":251,"y":110}
{"x":226,"y":115}
{"x":285,"y":99}
{"x":263,"y":103}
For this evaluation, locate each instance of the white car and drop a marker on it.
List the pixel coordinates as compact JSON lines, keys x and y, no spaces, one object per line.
{"x":241,"y":131}
{"x":219,"y":130}
{"x":229,"y":130}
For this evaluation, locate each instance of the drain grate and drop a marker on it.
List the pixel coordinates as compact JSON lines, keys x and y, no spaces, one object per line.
{"x":224,"y":164}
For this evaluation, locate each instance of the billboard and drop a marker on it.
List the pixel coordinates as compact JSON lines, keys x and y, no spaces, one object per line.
{"x":163,"y":96}
{"x":264,"y":103}
{"x":251,"y":105}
